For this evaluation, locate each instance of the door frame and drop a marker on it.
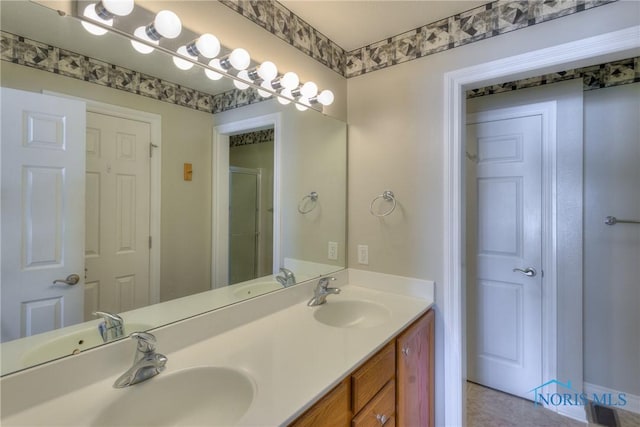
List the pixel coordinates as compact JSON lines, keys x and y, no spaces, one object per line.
{"x":220,"y":196}
{"x":547,"y":111}
{"x":155,"y":177}
{"x":604,"y":47}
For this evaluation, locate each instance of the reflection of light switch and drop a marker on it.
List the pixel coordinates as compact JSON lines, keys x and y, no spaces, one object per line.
{"x":188,"y":172}
{"x":363,"y":254}
{"x":333,"y":251}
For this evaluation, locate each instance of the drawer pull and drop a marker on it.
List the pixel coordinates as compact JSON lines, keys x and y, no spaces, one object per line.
{"x":382,"y":419}
{"x":405,"y":351}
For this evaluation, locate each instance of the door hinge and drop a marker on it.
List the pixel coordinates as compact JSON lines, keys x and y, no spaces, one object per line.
{"x":151,"y":147}
{"x":149,"y":242}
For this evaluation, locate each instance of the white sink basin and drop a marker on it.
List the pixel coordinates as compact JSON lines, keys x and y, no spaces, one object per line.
{"x":72,"y":343}
{"x":200,"y":396}
{"x":255,"y":289}
{"x":351,"y":314}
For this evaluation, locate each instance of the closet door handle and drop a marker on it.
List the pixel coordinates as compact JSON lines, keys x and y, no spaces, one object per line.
{"x":71,"y":280}
{"x":529,"y":271}
{"x":382,"y":419}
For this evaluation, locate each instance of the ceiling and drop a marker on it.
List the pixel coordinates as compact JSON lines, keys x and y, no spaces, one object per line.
{"x":353,"y":24}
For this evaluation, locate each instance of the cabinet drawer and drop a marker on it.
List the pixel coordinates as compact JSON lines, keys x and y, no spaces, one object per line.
{"x":372,"y":376}
{"x":380,"y":411}
{"x":331,"y":410}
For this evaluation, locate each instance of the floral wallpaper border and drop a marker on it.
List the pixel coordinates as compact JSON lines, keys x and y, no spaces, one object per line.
{"x":615,"y":73}
{"x":31,"y":53}
{"x":489,"y":20}
{"x":256,"y":137}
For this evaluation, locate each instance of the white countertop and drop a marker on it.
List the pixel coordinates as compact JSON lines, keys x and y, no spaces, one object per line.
{"x":291,"y":358}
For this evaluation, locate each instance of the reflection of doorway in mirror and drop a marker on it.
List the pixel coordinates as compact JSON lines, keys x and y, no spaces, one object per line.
{"x":251,"y":205}
{"x":117,"y":214}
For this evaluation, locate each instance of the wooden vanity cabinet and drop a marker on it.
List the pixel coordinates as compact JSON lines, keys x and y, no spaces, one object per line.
{"x":393,"y":387}
{"x":415,"y":373}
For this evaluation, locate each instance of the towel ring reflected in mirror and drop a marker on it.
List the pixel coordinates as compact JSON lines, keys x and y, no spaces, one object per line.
{"x":310,"y":199}
{"x":387,"y":196}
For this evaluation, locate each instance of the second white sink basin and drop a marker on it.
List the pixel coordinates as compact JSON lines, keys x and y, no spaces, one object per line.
{"x":352,"y":314}
{"x":200,"y":396}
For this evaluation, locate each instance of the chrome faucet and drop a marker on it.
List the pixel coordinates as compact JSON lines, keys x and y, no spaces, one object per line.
{"x":321,"y":291}
{"x":112,"y":327}
{"x":146,"y":362}
{"x":287,"y":279}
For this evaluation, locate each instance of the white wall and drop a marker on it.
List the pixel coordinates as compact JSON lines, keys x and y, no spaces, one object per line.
{"x":396,"y":142}
{"x":612,"y":253}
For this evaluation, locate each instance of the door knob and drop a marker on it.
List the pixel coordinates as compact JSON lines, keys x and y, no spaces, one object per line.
{"x":529,"y":271}
{"x":71,"y":280}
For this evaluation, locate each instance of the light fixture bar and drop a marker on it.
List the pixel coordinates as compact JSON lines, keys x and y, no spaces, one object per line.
{"x":272,"y":88}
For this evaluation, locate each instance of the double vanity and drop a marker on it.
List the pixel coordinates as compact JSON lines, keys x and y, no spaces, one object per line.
{"x":364,"y":357}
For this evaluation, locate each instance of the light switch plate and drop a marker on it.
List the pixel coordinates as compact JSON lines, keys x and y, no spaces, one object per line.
{"x":332,"y":252}
{"x":363,"y":254}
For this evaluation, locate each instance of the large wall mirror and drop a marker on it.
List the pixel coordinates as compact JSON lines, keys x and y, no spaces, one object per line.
{"x":172,"y":202}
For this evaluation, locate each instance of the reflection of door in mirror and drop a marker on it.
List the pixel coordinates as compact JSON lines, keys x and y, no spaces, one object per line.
{"x":42,"y":212}
{"x":251,"y":205}
{"x":117,"y":214}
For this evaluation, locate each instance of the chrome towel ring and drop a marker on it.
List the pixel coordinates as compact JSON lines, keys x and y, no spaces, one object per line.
{"x":389,"y":197}
{"x":311,"y":198}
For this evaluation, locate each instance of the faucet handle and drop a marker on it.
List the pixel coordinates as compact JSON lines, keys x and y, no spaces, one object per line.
{"x":324,"y":281}
{"x":109,"y":318}
{"x":146,"y":341}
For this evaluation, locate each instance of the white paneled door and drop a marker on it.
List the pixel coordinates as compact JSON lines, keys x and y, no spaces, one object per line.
{"x":504,"y":292}
{"x":117,"y":214}
{"x":43,"y":164}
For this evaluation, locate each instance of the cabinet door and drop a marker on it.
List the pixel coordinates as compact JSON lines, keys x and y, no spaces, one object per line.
{"x":334,"y":409}
{"x":415,"y":376}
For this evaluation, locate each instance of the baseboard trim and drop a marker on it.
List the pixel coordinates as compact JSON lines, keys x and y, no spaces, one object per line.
{"x":633,"y":401}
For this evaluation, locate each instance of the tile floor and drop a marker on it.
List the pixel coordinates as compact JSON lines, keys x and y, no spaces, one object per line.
{"x":490,"y":408}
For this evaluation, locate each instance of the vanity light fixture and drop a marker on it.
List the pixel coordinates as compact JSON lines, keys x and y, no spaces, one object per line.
{"x":181,"y":63}
{"x":166,"y":24}
{"x":206,"y":45}
{"x":303,"y":104}
{"x":108,"y":9}
{"x":268,"y":71}
{"x":285,"y":96}
{"x":90,"y":13}
{"x":309,"y":90}
{"x":290,"y":81}
{"x":244,"y":75}
{"x":141,"y":33}
{"x":325,"y":98}
{"x":214,"y":63}
{"x":238,"y":59}
{"x":265,"y":93}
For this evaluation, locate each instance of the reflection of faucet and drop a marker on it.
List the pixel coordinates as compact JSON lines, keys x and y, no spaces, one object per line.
{"x":287,"y":279}
{"x":321,"y":291}
{"x":146,"y":362}
{"x":112,"y":327}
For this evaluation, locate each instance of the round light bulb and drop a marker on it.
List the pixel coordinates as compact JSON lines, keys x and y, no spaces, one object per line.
{"x":208,"y":45}
{"x":167,"y":24}
{"x":181,"y":63}
{"x":90,"y":13}
{"x":326,"y":97}
{"x":268,"y":71}
{"x":239,"y":59}
{"x":303,"y":104}
{"x":215,"y":63}
{"x":290,"y":80}
{"x":244,"y":75}
{"x":142,"y":34}
{"x":285,"y":93}
{"x":118,"y":7}
{"x":264,"y":93}
{"x":309,"y":90}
